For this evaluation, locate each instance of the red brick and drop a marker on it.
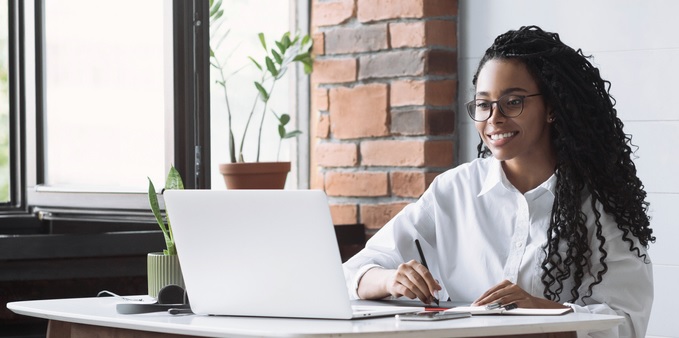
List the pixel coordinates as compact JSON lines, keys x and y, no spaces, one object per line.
{"x":375,"y":10}
{"x":422,"y":121}
{"x":337,"y":154}
{"x":392,"y":153}
{"x":441,"y":93}
{"x":320,"y":99}
{"x":439,"y":121}
{"x":439,"y":154}
{"x":344,"y":213}
{"x":434,"y":8}
{"x":407,"y":93}
{"x":358,"y":112}
{"x":440,"y":62}
{"x":423,"y":34}
{"x":319,"y":44}
{"x":323,"y":129}
{"x":374,"y":216}
{"x":441,"y":33}
{"x":397,"y":153}
{"x":359,"y":184}
{"x":407,"y":34}
{"x":396,"y":63}
{"x":328,"y":13}
{"x":410,"y":183}
{"x":366,"y":38}
{"x":419,"y":92}
{"x":334,"y":70}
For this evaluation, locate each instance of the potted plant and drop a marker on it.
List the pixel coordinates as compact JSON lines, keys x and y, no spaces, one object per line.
{"x":163,"y":267}
{"x":240,"y":173}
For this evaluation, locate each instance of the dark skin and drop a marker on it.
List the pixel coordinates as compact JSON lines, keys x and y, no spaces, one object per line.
{"x":523,"y":145}
{"x":506,"y":293}
{"x":411,"y":280}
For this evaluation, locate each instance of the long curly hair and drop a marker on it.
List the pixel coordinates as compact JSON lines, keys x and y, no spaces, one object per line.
{"x":594,"y":156}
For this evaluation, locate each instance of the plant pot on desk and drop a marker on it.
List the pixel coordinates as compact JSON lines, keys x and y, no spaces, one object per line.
{"x":163,"y":270}
{"x":255,"y":175}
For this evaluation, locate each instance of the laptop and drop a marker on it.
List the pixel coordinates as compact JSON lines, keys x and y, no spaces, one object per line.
{"x":268,"y":253}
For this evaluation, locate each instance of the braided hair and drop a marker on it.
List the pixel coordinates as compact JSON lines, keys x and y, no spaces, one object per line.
{"x":593,"y":157}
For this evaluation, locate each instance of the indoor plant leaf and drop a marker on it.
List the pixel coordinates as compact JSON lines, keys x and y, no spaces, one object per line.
{"x":255,"y":62}
{"x":155,"y":208}
{"x":276,"y":56}
{"x":262,"y":92}
{"x":262,"y":40}
{"x":271,"y":67}
{"x":174,"y":180}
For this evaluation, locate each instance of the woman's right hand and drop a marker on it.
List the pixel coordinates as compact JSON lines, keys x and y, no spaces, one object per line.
{"x":411,"y":279}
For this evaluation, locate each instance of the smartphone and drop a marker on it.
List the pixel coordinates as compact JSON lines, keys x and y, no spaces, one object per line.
{"x":433,"y":315}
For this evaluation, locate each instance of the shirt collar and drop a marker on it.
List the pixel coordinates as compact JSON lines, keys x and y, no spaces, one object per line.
{"x":497,"y":176}
{"x":494,"y":176}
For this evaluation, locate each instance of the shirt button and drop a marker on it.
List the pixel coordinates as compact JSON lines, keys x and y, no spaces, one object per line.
{"x":519,"y":244}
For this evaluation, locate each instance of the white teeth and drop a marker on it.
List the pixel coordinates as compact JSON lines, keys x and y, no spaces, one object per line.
{"x":500,"y":136}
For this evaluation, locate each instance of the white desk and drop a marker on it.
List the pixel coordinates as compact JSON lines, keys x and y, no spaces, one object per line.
{"x":70,"y":316}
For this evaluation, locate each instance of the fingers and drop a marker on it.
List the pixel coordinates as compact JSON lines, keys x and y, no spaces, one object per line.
{"x":413,"y":280}
{"x":491,"y":294}
{"x":503,"y":293}
{"x":506,"y":293}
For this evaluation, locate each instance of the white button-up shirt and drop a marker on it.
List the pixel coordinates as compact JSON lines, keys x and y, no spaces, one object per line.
{"x":476,"y":230}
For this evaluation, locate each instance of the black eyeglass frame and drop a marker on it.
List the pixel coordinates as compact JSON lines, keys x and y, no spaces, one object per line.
{"x":471,"y":106}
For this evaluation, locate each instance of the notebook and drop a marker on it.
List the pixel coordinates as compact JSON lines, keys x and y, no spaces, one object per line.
{"x":270,"y":253}
{"x":482,"y":310}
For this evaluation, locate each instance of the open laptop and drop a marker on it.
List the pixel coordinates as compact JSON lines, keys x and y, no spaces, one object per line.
{"x":270,"y":253}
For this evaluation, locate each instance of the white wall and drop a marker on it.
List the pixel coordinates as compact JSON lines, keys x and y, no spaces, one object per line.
{"x":636,"y":47}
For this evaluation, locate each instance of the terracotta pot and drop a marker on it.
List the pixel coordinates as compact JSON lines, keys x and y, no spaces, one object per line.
{"x":163,"y":270}
{"x":255,"y":175}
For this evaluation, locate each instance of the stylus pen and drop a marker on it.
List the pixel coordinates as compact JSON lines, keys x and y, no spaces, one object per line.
{"x":424,"y":262}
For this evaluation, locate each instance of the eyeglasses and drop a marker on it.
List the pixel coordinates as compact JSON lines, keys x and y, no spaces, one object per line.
{"x":509,"y":105}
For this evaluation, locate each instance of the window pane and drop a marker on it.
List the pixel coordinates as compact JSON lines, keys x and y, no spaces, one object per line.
{"x":4,"y":103}
{"x":105,"y":96}
{"x":245,"y":19}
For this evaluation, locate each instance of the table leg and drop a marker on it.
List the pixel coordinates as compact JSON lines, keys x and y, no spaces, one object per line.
{"x":58,"y":329}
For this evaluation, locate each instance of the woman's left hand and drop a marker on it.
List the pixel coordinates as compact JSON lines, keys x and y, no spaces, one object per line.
{"x":506,"y":293}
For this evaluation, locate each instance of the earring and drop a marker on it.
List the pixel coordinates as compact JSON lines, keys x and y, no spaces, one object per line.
{"x":550,"y":119}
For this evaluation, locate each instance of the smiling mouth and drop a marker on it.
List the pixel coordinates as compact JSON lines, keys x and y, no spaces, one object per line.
{"x":496,"y":137}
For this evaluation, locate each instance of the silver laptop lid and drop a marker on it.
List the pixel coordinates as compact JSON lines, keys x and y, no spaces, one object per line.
{"x":259,"y":253}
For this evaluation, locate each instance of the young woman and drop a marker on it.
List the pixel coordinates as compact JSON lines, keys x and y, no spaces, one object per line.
{"x":551,"y":215}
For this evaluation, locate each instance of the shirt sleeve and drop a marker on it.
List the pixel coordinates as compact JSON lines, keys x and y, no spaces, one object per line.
{"x":393,"y":244}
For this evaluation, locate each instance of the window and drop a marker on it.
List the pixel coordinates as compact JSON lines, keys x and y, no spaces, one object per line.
{"x":244,"y":20}
{"x":116,"y":101}
{"x":113,"y":93}
{"x":105,"y":115}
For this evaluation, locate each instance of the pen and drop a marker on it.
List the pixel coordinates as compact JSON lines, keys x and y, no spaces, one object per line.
{"x":424,"y":262}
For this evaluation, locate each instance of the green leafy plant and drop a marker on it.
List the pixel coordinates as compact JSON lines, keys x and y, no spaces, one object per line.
{"x":173,"y":181}
{"x":283,"y":120}
{"x":287,"y":50}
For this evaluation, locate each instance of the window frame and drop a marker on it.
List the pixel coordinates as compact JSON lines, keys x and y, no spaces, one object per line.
{"x":16,"y":204}
{"x":190,"y":126}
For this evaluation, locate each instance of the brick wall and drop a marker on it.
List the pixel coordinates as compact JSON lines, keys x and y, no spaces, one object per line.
{"x":383,"y":90}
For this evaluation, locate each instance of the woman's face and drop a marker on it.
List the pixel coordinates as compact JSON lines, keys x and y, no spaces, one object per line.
{"x":524,"y":138}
